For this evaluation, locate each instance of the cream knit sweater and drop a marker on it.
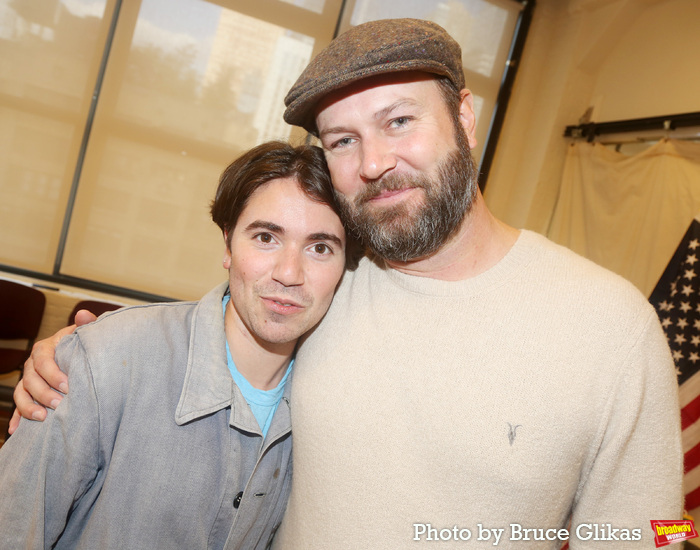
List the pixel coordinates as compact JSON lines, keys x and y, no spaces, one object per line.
{"x":538,"y":392}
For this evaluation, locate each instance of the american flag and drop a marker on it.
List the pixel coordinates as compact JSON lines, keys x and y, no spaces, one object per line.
{"x":677,"y":301}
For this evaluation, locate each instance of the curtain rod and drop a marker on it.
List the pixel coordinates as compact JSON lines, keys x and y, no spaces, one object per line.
{"x":667,"y":122}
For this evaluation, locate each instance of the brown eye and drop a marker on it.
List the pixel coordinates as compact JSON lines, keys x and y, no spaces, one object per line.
{"x":321,"y":248}
{"x":264,"y":238}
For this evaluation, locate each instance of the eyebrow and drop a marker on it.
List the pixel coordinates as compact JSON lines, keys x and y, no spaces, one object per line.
{"x":321,"y":236}
{"x":260,"y":224}
{"x":334,"y":130}
{"x":404,"y":102}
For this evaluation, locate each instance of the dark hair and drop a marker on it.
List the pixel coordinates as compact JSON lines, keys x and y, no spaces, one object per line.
{"x":266,"y":162}
{"x":262,"y":164}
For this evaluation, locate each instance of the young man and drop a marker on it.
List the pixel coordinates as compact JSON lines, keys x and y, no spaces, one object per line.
{"x":176,"y":432}
{"x":470,"y":380}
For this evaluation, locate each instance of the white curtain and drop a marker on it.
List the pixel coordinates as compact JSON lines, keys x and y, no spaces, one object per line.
{"x":628,"y":213}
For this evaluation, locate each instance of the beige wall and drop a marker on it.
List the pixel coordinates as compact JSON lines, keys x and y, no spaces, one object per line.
{"x":624,"y":58}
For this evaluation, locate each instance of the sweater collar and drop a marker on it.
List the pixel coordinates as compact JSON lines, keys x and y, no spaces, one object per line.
{"x":519,"y":256}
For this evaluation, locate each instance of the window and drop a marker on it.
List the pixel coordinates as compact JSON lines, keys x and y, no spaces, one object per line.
{"x":118,"y":116}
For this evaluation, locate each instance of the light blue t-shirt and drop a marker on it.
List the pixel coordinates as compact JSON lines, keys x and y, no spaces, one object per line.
{"x":263,"y":403}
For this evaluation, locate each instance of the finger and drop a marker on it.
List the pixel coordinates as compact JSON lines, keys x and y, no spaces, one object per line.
{"x":14,"y":422}
{"x":36,"y":389}
{"x":83,"y":317}
{"x":26,"y":406}
{"x":45,"y":375}
{"x":41,"y":363}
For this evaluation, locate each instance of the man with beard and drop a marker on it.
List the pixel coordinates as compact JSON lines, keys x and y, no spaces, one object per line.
{"x":470,"y":381}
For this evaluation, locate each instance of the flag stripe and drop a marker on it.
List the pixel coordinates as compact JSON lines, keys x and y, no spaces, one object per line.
{"x":690,"y":389}
{"x":692,"y":499}
{"x":692,"y":458}
{"x":690,"y":413}
{"x":691,"y":480}
{"x":691,"y":436}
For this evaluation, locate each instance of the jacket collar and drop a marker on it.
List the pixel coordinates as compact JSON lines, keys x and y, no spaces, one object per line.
{"x":208,"y":385}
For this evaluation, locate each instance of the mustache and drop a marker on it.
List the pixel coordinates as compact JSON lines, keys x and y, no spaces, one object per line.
{"x":390,"y":182}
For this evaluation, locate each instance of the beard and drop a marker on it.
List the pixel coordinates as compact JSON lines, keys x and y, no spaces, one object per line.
{"x":402,"y":232}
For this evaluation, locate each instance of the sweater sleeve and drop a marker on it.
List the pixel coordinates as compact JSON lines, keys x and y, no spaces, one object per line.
{"x":635,"y":474}
{"x":47,"y":467}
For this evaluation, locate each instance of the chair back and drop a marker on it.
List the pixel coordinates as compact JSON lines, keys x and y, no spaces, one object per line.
{"x":93,"y":306}
{"x":21,"y":311}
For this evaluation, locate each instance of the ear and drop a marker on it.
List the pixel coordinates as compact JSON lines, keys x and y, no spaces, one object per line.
{"x":466,"y":116}
{"x":227,"y":252}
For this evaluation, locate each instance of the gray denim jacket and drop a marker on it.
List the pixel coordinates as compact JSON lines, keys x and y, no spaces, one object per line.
{"x":152,"y":445}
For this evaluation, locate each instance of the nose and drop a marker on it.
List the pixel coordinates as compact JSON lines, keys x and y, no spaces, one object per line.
{"x":289,"y":269}
{"x":378,"y":157}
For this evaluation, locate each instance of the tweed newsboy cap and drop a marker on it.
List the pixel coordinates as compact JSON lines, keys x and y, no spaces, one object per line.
{"x":373,"y":48}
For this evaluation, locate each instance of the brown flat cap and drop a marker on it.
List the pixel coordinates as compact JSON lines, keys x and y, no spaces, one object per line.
{"x":373,"y":48}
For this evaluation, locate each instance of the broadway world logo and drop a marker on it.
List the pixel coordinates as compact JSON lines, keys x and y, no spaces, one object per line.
{"x":669,"y":532}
